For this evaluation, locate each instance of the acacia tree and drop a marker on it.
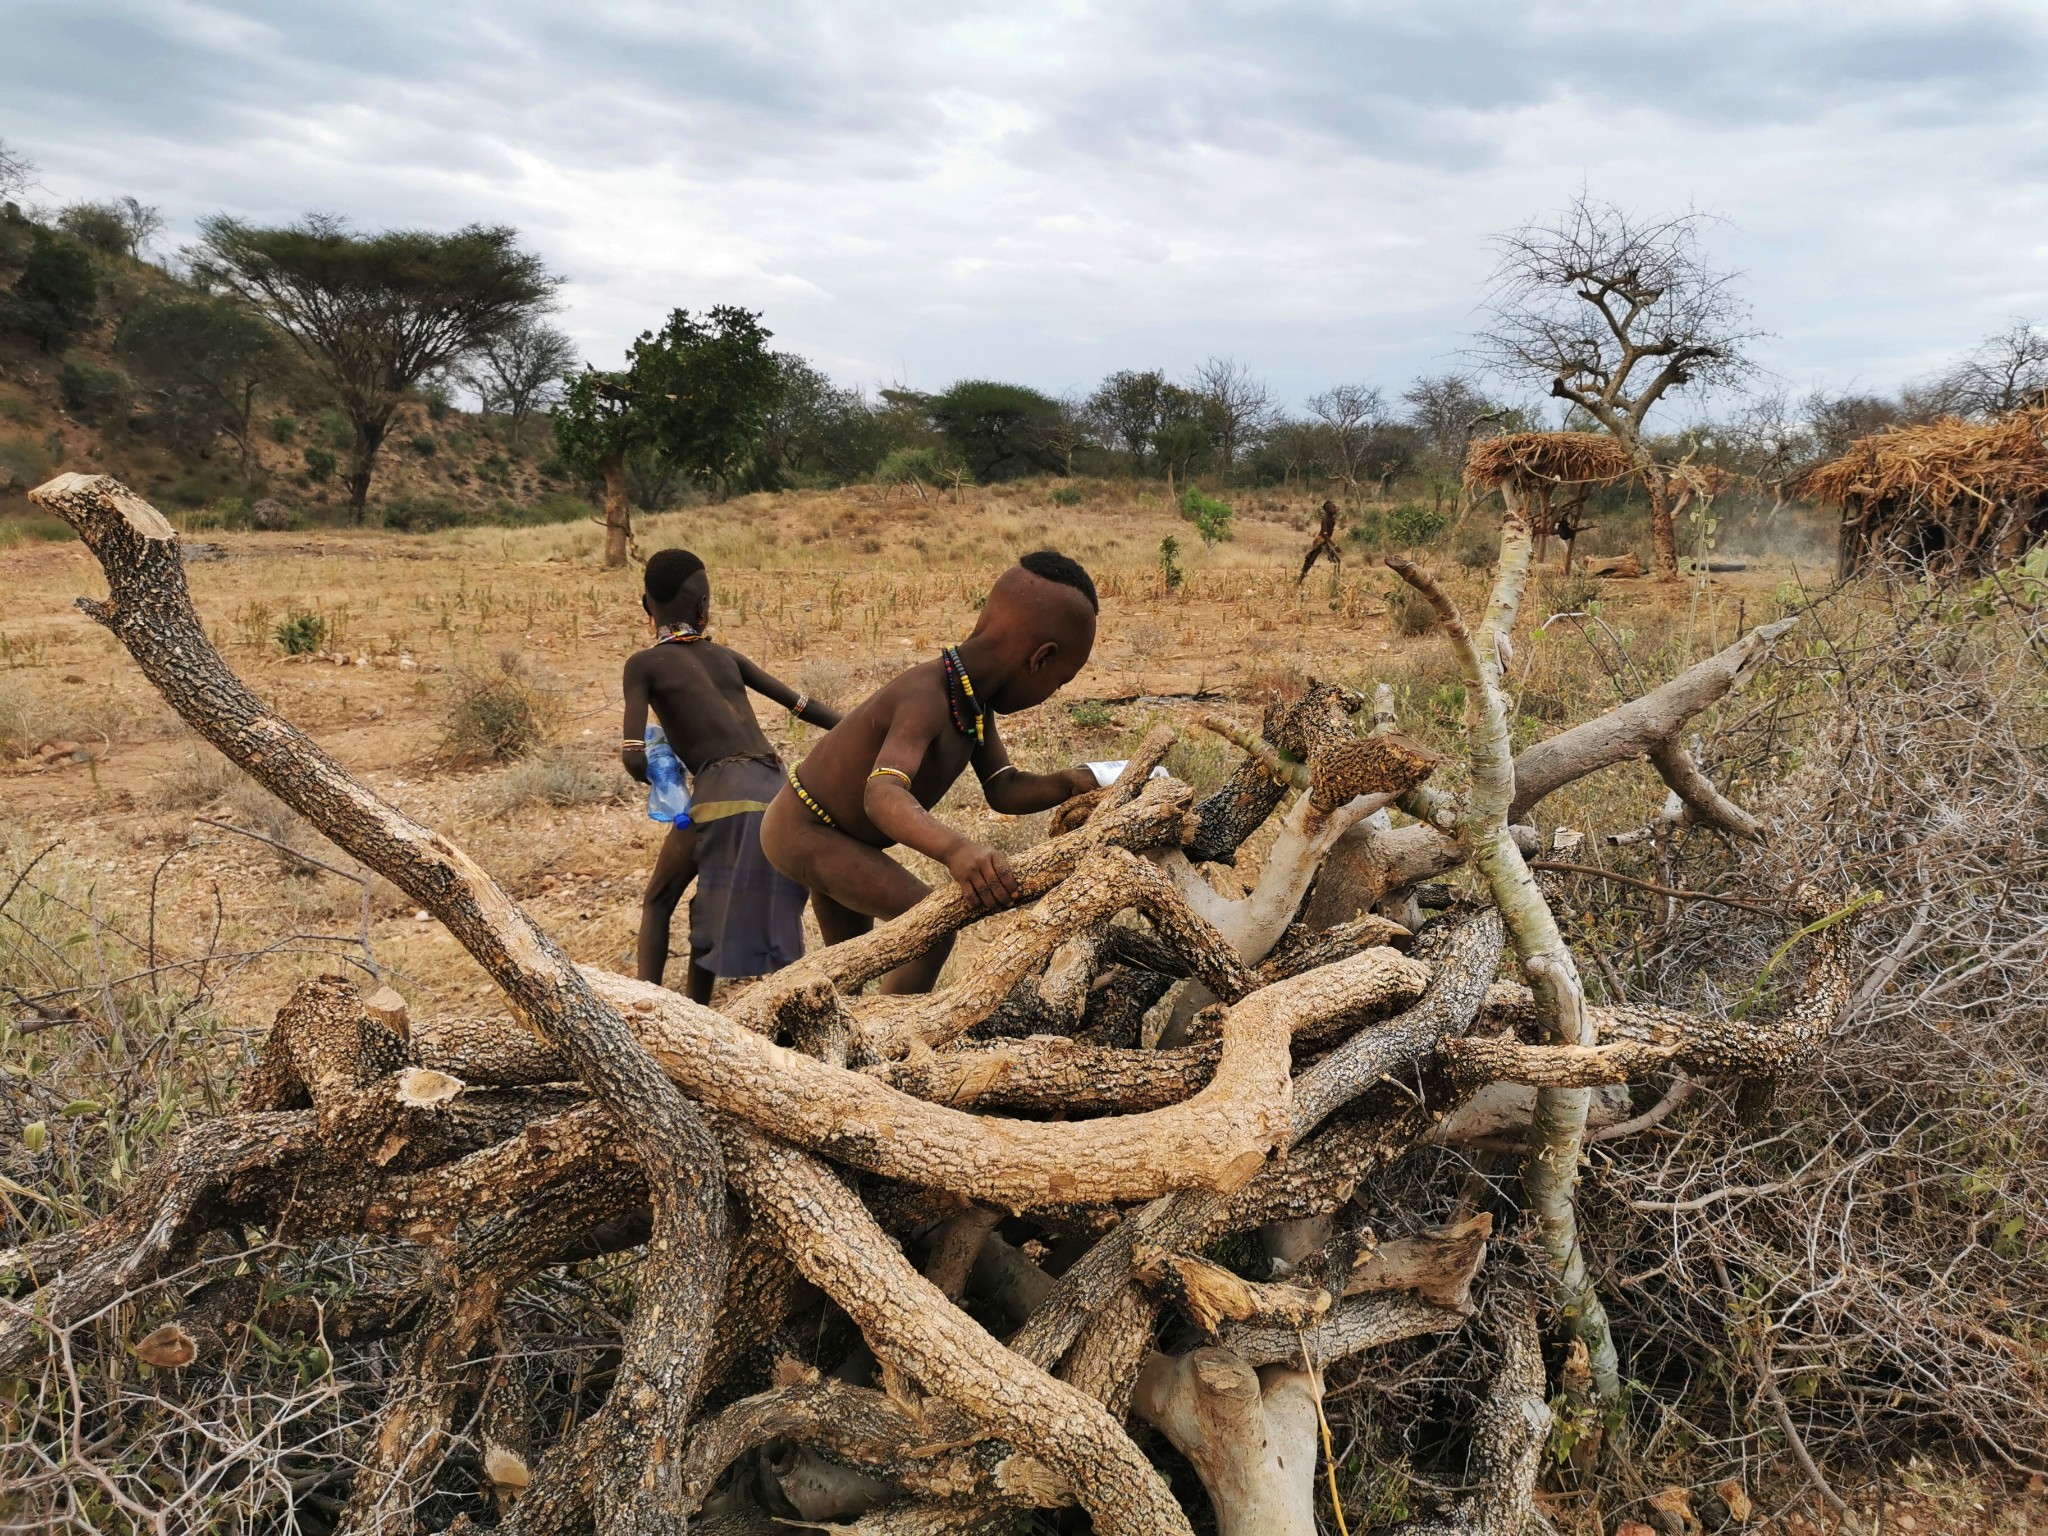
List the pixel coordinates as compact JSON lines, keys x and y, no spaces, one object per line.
{"x":998,"y":429}
{"x":1612,"y":314}
{"x":204,"y":361}
{"x":375,"y":314}
{"x":695,"y":395}
{"x":2001,"y":373}
{"x":519,"y":371}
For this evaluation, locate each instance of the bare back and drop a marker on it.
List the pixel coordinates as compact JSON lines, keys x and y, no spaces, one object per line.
{"x":699,"y":694}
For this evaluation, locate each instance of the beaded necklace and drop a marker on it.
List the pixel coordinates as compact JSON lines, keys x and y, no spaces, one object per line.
{"x":956,"y":675}
{"x":679,"y":634}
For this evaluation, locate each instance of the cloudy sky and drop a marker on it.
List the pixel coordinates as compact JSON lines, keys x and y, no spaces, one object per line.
{"x":921,"y":191}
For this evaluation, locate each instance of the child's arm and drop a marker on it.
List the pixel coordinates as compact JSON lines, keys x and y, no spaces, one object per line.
{"x":815,"y":711}
{"x":632,"y":749}
{"x":1011,"y":791}
{"x":980,"y":870}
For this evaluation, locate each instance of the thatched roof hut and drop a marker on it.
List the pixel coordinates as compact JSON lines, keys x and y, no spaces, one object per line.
{"x":1529,"y":462}
{"x":1949,"y":497}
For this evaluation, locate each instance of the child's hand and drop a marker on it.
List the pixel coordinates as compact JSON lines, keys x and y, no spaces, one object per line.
{"x":983,"y":873}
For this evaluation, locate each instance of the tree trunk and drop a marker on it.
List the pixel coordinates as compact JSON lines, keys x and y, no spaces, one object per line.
{"x":1663,"y":540}
{"x":618,"y":514}
{"x":362,"y":463}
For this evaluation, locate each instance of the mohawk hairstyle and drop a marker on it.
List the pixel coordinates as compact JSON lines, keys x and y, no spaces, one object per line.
{"x":1051,"y":565}
{"x":667,"y":570}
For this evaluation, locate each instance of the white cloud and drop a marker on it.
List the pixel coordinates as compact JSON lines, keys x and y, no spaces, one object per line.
{"x":1047,"y":193}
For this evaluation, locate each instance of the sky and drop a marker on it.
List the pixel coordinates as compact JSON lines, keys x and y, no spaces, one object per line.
{"x":918,"y":192}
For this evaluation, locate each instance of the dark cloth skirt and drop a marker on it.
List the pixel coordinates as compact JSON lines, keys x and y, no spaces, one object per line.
{"x":747,"y":916}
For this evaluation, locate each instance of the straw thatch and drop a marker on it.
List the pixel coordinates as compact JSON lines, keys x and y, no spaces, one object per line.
{"x":1952,"y":495}
{"x":1531,"y":461}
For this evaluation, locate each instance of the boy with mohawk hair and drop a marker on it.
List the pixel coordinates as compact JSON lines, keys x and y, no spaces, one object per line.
{"x":873,"y":781}
{"x":746,"y":919}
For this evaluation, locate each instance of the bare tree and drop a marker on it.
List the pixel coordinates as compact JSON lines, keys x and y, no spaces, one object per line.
{"x":16,"y":171}
{"x":1349,"y":414}
{"x":520,"y":371}
{"x":2001,"y":373}
{"x":1613,"y":313}
{"x":1237,"y":402}
{"x":1448,"y":409}
{"x":1069,"y":429}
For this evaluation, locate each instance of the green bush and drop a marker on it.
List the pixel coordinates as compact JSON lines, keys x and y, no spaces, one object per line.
{"x":336,"y":431}
{"x":20,"y":410}
{"x":91,"y":392}
{"x":301,"y":633}
{"x":57,"y":296}
{"x":421,"y":514}
{"x":1067,"y":496}
{"x":1169,"y":563}
{"x":203,"y":487}
{"x":1210,"y":516}
{"x":494,"y":469}
{"x":1407,"y":526}
{"x":434,"y":394}
{"x":30,"y":463}
{"x":321,"y":465}
{"x":423,"y":444}
{"x":283,"y":428}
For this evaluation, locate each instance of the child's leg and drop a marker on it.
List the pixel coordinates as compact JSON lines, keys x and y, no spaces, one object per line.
{"x":700,"y":981}
{"x":851,"y":884}
{"x":674,"y":868}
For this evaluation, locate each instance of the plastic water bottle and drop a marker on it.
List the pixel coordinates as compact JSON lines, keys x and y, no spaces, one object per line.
{"x":668,"y":793}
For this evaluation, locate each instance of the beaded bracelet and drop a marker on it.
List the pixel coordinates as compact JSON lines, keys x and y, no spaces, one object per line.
{"x":803,"y":702}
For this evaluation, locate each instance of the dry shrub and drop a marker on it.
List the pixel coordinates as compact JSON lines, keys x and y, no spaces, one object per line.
{"x":1864,"y":1240}
{"x":1559,"y":593}
{"x":1408,"y":611}
{"x":202,"y":778}
{"x":553,"y":776}
{"x":499,"y":712}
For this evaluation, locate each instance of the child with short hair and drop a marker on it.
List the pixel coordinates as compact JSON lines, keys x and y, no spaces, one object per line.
{"x":746,"y":919}
{"x":872,"y":782}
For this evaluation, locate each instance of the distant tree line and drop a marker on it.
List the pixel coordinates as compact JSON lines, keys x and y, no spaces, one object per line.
{"x":1608,"y":319}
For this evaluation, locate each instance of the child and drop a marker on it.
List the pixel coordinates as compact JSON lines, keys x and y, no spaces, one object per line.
{"x":746,"y":920}
{"x":872,"y":782}
{"x":1325,"y":546}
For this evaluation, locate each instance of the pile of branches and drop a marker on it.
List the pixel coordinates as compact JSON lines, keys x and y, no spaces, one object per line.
{"x":1946,"y":496}
{"x":917,"y":1262}
{"x":1851,"y":1265}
